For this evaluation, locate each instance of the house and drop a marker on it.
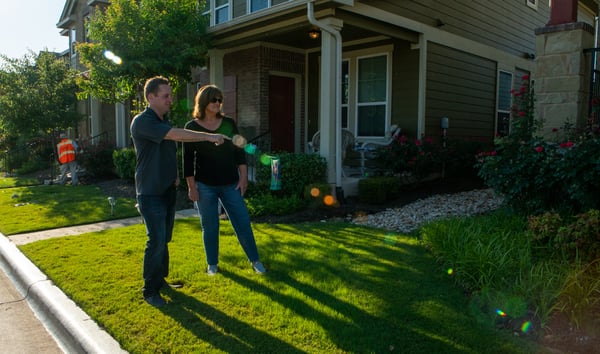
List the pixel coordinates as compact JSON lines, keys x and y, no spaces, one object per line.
{"x":290,"y":68}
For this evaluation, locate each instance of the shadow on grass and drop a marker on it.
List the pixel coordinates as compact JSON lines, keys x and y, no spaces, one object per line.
{"x":233,"y":336}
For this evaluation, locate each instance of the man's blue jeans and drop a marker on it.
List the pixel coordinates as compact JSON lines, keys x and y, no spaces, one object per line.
{"x":158,"y":212}
{"x":235,"y":207}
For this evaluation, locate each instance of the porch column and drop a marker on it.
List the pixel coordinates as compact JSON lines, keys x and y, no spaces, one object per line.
{"x":328,"y":97}
{"x":562,"y":74}
{"x":215,"y":63}
{"x":120,"y":125}
{"x":95,"y":108}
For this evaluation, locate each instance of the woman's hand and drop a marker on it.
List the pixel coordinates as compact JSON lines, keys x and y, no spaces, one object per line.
{"x":193,"y":194}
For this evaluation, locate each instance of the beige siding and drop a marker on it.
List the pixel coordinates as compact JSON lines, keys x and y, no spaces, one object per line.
{"x":405,"y":84}
{"x":461,"y":87}
{"x":507,"y":25}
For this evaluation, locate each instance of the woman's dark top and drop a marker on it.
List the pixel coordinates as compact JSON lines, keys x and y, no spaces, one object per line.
{"x":210,"y":164}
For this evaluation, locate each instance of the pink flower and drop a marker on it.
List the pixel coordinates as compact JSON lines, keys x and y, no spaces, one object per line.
{"x":521,"y":114}
{"x":418,"y":142}
{"x":525,"y":77}
{"x":568,"y":144}
{"x":539,"y":148}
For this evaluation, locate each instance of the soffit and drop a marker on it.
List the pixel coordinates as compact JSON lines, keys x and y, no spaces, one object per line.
{"x":291,"y":28}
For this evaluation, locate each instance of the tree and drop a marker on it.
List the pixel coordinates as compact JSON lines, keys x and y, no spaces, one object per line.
{"x":151,"y":37}
{"x":37,"y":96}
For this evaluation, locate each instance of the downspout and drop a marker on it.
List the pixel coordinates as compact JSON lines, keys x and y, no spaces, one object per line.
{"x":338,"y":90}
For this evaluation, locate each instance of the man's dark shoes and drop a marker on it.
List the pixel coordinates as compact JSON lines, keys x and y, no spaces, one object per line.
{"x":156,"y":300}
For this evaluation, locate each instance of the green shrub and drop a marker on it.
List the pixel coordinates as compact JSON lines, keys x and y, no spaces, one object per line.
{"x":268,"y":204}
{"x":378,"y":190}
{"x":297,"y":171}
{"x":580,"y":296}
{"x":535,"y":174}
{"x":125,"y":161}
{"x":97,"y":159}
{"x":572,"y":238}
{"x":419,"y":157}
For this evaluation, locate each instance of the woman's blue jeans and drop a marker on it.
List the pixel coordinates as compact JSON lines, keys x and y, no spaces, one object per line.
{"x":237,"y":212}
{"x":158,"y":212}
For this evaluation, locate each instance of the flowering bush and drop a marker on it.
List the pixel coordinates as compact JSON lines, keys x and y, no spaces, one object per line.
{"x":536,"y":175}
{"x":418,"y":157}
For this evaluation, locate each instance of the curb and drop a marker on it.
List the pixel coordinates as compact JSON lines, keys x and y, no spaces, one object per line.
{"x":73,"y":329}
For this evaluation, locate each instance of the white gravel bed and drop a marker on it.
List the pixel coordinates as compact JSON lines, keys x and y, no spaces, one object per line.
{"x":410,"y":217}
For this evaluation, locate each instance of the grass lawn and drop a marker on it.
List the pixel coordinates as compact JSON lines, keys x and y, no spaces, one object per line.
{"x":330,"y":288}
{"x":40,"y":207}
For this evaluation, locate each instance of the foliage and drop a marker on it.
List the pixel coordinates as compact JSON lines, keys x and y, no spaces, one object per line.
{"x":28,"y":155}
{"x":488,"y":255}
{"x":297,"y":172}
{"x":574,"y":239}
{"x":418,"y":157}
{"x":269,"y":204}
{"x":38,"y":97}
{"x":536,"y":174}
{"x":151,"y":37}
{"x":378,"y":190}
{"x":125,"y":162}
{"x":580,"y":295}
{"x":97,"y":159}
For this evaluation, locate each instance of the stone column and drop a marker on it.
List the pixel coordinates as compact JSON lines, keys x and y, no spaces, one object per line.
{"x":563,"y":74}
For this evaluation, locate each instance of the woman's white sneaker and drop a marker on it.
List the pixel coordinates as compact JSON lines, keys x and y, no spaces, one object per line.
{"x":259,"y":267}
{"x":212,"y":269}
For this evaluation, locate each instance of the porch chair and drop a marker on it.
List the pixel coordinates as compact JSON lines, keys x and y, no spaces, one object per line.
{"x":368,"y":148}
{"x":347,"y":141}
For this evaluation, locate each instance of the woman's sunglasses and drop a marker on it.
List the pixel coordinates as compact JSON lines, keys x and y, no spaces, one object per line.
{"x":215,"y":99}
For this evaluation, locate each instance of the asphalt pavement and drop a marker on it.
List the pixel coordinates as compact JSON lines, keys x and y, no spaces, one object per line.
{"x":35,"y":315}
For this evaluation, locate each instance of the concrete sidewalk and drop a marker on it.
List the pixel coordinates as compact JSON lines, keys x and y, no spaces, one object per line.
{"x":36,"y":316}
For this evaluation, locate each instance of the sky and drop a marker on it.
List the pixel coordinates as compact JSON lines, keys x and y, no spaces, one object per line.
{"x":31,"y":24}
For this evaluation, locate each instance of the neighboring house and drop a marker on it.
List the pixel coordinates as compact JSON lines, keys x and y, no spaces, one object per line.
{"x":104,"y":121}
{"x":402,"y":62}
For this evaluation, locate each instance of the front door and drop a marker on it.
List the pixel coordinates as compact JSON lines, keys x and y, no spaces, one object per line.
{"x":282,"y":95}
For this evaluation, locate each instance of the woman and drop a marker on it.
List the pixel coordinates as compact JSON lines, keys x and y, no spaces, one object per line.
{"x":218,"y":173}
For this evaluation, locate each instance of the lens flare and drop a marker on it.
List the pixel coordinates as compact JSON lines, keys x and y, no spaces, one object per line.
{"x":250,"y":149}
{"x":526,"y":326}
{"x":113,"y":57}
{"x":501,"y":313}
{"x":315,"y":192}
{"x":265,"y":159}
{"x":328,"y":200}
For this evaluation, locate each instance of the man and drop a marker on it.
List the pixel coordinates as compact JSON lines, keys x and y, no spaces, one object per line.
{"x":67,"y":150}
{"x":156,"y":180}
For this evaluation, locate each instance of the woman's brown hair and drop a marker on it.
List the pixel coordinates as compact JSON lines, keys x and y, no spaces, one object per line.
{"x":204,"y":96}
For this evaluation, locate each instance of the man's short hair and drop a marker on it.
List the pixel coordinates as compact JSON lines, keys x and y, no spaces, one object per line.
{"x":152,"y":85}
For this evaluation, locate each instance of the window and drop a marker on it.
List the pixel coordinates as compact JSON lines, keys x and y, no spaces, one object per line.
{"x":504,"y":102}
{"x":256,"y":5}
{"x":345,"y":92}
{"x":372,"y":96}
{"x":532,"y":3}
{"x":221,"y":11}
